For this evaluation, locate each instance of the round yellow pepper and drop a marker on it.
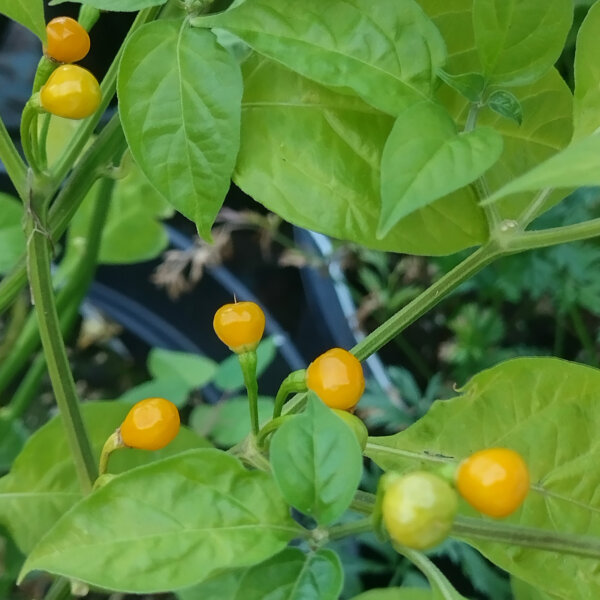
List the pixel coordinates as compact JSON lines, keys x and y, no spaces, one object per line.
{"x":151,"y":424}
{"x":240,"y":325}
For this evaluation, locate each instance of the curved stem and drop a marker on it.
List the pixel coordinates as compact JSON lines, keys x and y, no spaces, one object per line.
{"x":248,"y":365}
{"x":114,"y":442}
{"x":27,"y":389}
{"x":269,"y":428}
{"x":13,"y":163}
{"x":38,"y":267}
{"x":294,"y":383}
{"x":530,"y":213}
{"x":29,"y":135}
{"x":426,"y":301}
{"x":553,"y":236}
{"x":338,"y":532}
{"x":59,"y":590}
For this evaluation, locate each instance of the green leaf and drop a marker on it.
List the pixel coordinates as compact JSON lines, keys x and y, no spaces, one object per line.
{"x":518,"y":41}
{"x":316,"y":462}
{"x":115,"y":5}
{"x":29,"y":13}
{"x":229,"y":375}
{"x":586,"y":108}
{"x":228,"y":422}
{"x":577,"y":165}
{"x":546,"y":409}
{"x":193,"y":369}
{"x":334,"y":186}
{"x":220,"y":587}
{"x":293,"y":575}
{"x":174,"y":389}
{"x":506,"y":105}
{"x":12,"y":439}
{"x":133,"y":231}
{"x":425,"y":158}
{"x":397,"y":62}
{"x":42,"y":484}
{"x":469,"y":85}
{"x":395,"y":594}
{"x":179,"y":101}
{"x":524,"y":591}
{"x":168,"y":525}
{"x":547,"y":107}
{"x":12,"y":239}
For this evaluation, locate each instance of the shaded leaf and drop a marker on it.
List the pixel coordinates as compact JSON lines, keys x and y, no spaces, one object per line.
{"x":115,"y":5}
{"x":12,"y":239}
{"x":193,"y":370}
{"x":506,"y":105}
{"x":29,"y":13}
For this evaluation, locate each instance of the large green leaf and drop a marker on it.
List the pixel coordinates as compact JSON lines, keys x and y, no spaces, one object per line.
{"x":524,"y":591}
{"x":386,"y":51}
{"x":168,"y":525}
{"x":395,"y":594}
{"x":425,"y":158}
{"x":12,"y":439}
{"x":179,"y":101}
{"x":333,"y":186}
{"x":133,"y":231}
{"x":577,"y":165}
{"x":546,"y":409}
{"x":193,"y":369}
{"x":519,"y":40}
{"x":586,"y":109}
{"x":42,"y":484}
{"x":547,"y":107}
{"x":317,"y":462}
{"x":220,"y":587}
{"x":30,"y":13}
{"x":12,"y":239}
{"x":115,"y":5}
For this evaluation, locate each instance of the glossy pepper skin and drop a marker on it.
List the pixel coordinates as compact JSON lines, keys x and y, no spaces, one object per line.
{"x":494,"y":481}
{"x":151,"y":424}
{"x":68,"y":41}
{"x":71,"y":92}
{"x":337,"y":378}
{"x":418,"y":509}
{"x":240,"y":325}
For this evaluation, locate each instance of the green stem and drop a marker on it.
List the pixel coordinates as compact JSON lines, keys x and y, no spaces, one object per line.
{"x":269,"y":428}
{"x":29,"y":135}
{"x":531,"y":212}
{"x":114,"y":442}
{"x":43,"y":140}
{"x":27,"y":389}
{"x":436,"y":578}
{"x":248,"y":365}
{"x":69,"y":297}
{"x":40,"y":279}
{"x":338,"y":532}
{"x":18,"y":316}
{"x":530,"y":240}
{"x":426,"y":301}
{"x":13,"y":163}
{"x":108,"y":146}
{"x":294,"y":383}
{"x":538,"y":539}
{"x":59,"y":590}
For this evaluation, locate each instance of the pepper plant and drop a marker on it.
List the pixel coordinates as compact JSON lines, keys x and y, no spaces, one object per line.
{"x":423,"y":127}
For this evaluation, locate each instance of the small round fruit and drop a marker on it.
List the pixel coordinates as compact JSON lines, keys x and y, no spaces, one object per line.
{"x":494,"y":481}
{"x":240,"y":326}
{"x":418,"y":509}
{"x":337,"y":378}
{"x":151,"y":424}
{"x":71,"y":92}
{"x":358,"y":428}
{"x":68,"y":41}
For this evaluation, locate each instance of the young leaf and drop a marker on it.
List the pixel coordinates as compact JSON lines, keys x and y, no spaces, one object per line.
{"x":168,"y":525}
{"x":193,"y":369}
{"x":469,"y":85}
{"x":519,"y":40}
{"x":42,"y":484}
{"x":586,"y":109}
{"x":402,"y":593}
{"x":334,"y":187}
{"x":575,"y":166}
{"x":179,"y":101}
{"x":115,"y":5}
{"x":546,"y":409}
{"x":29,"y":13}
{"x":294,"y":575}
{"x":506,"y":105}
{"x":398,"y":60}
{"x":317,"y":462}
{"x":425,"y":158}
